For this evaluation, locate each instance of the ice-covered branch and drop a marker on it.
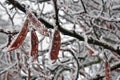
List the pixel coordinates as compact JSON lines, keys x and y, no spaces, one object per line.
{"x":6,"y":69}
{"x":91,"y":40}
{"x":112,"y":67}
{"x":8,"y":32}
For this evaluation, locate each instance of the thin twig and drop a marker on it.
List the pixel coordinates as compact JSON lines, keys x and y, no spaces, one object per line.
{"x":6,"y":69}
{"x":11,"y":18}
{"x":83,"y":6}
{"x":56,"y":12}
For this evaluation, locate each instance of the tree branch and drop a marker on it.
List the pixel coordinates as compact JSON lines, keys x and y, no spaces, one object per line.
{"x":83,"y":6}
{"x":56,"y":12}
{"x":67,"y":32}
{"x":40,"y":1}
{"x":8,"y":32}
